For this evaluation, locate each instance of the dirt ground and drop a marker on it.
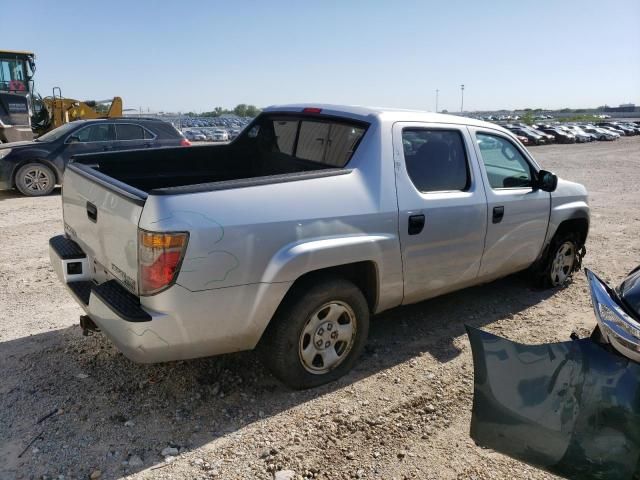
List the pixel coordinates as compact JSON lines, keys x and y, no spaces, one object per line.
{"x":404,"y":412}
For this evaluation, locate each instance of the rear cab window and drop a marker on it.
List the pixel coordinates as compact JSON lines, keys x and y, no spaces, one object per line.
{"x":327,"y":142}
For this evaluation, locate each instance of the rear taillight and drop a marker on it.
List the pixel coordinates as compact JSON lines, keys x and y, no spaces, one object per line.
{"x":159,"y":259}
{"x":185,"y":143}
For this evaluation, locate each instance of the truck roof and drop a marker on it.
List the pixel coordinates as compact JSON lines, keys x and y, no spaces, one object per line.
{"x":382,"y":114}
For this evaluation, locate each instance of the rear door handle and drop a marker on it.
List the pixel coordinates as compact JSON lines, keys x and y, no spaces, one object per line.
{"x":498,"y":214}
{"x":92,"y":212}
{"x":416,"y":224}
{"x":106,"y":148}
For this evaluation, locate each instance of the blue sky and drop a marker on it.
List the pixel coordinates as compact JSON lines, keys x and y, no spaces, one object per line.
{"x":189,"y":55}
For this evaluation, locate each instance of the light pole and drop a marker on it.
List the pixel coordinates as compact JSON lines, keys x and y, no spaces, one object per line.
{"x":437,"y":91}
{"x":461,"y":98}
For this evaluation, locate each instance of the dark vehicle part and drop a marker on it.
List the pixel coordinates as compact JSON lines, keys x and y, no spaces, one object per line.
{"x":570,"y":408}
{"x":88,"y":326}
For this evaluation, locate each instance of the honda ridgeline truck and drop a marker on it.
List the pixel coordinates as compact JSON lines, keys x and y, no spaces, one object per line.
{"x":290,"y":237}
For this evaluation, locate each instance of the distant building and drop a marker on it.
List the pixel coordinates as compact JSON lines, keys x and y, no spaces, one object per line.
{"x":624,"y":107}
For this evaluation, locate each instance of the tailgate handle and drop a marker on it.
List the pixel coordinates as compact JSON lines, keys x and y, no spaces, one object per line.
{"x":92,"y":212}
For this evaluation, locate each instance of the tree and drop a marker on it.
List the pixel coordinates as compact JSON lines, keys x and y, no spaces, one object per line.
{"x":240,"y":110}
{"x":528,"y":118}
{"x":252,"y":111}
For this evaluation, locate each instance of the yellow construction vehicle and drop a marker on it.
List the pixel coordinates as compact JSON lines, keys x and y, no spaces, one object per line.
{"x":23,"y":113}
{"x":53,"y":111}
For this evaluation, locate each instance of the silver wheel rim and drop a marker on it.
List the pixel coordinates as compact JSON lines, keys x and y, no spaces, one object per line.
{"x":36,"y":179}
{"x":327,"y":337}
{"x":563,"y":262}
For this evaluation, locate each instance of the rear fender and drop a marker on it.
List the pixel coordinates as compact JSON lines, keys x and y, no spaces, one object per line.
{"x":297,"y":259}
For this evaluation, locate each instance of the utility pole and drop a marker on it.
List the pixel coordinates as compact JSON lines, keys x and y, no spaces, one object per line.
{"x":437,"y":91}
{"x":461,"y":98}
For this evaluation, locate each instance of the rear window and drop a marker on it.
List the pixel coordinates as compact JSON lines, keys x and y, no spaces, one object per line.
{"x":325,"y":141}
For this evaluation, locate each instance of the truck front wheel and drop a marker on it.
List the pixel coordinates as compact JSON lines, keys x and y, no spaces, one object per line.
{"x":317,"y":334}
{"x":560,"y":262}
{"x":35,"y":180}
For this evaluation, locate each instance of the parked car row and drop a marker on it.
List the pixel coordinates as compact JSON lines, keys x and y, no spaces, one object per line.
{"x":540,"y":134}
{"x":211,"y":134}
{"x":227,"y":123}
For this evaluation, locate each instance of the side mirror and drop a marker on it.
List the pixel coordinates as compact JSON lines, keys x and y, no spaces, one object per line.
{"x":547,"y":181}
{"x":73,"y":139}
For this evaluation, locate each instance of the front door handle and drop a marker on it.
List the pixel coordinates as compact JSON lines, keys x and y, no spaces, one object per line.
{"x":107,"y":148}
{"x":498,"y":214}
{"x":416,"y":224}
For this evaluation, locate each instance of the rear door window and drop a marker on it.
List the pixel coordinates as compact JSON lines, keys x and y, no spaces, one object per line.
{"x":436,"y":159}
{"x":128,"y":131}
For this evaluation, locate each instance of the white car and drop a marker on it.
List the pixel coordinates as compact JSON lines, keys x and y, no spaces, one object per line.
{"x":220,"y":135}
{"x":601,"y":133}
{"x":195,"y":136}
{"x":581,"y":135}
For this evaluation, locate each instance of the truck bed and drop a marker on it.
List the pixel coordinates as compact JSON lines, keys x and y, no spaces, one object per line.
{"x":162,"y":170}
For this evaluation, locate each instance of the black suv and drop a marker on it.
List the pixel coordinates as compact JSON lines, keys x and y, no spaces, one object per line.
{"x":35,"y":167}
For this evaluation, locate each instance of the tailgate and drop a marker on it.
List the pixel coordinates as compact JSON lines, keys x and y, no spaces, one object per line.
{"x":101,"y":214}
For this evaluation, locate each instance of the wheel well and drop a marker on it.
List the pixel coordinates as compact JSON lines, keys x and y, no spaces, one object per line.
{"x":575,"y":225}
{"x":363,"y":275}
{"x":46,"y":163}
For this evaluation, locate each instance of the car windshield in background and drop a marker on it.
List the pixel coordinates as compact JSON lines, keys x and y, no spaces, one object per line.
{"x":57,"y":133}
{"x":329,"y":142}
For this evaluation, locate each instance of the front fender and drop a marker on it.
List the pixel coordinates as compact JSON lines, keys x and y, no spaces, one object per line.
{"x":568,"y":202}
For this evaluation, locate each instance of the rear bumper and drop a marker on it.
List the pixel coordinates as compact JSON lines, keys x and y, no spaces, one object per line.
{"x":176,"y":324}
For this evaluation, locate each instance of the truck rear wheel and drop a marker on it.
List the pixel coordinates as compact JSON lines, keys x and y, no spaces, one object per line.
{"x":317,"y":334}
{"x":35,"y":180}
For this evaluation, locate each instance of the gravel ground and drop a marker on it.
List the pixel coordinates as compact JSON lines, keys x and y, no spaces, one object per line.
{"x":404,"y":412}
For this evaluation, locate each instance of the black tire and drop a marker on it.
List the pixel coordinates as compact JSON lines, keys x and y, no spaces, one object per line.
{"x":547,"y":275}
{"x":35,"y":179}
{"x":284,"y":341}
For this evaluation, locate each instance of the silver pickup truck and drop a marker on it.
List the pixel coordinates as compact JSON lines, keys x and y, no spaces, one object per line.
{"x":292,"y":235}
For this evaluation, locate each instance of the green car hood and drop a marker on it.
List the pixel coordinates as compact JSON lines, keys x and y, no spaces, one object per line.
{"x":570,"y":408}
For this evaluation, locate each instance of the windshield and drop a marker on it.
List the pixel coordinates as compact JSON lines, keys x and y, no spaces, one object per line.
{"x":13,"y":74}
{"x":57,"y":133}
